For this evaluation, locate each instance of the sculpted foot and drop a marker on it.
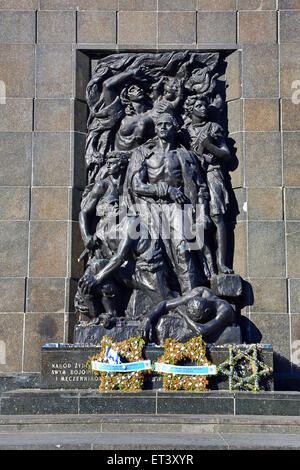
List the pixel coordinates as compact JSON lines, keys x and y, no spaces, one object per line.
{"x":224,"y":269}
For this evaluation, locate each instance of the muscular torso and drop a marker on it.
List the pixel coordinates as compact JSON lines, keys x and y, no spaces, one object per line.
{"x":134,"y":131}
{"x":164,"y":167}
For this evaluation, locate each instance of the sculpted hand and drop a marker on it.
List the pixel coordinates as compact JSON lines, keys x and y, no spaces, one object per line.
{"x":89,"y":243}
{"x":86,"y":283}
{"x":177,"y":196}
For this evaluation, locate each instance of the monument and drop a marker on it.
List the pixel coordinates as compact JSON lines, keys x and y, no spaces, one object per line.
{"x":153,"y":213}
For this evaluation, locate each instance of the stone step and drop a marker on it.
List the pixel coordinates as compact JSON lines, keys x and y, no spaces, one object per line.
{"x":150,"y":424}
{"x":42,"y":401}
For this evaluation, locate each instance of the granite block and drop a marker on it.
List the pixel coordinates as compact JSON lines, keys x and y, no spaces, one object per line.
{"x":138,"y":5}
{"x":291,"y":162}
{"x":293,"y":248}
{"x":114,"y":403}
{"x":294,"y":295}
{"x":289,"y":68}
{"x":260,"y":71}
{"x":266,"y":249}
{"x":290,"y":114}
{"x":58,"y":4}
{"x":82,"y":74}
{"x":257,"y":27}
{"x":52,"y":115}
{"x":79,"y":115}
{"x":295,"y":343}
{"x":17,"y":27}
{"x":270,"y":295}
{"x":261,"y":114}
{"x":54,"y":71}
{"x":262,"y":159}
{"x":76,"y":247}
{"x":265,"y":203}
{"x":288,"y":4}
{"x":14,"y":236}
{"x":144,"y":31}
{"x":235,"y":116}
{"x":11,"y":342}
{"x":40,"y":328}
{"x":196,"y":404}
{"x":233,"y":76}
{"x":15,"y":158}
{"x":282,"y":407}
{"x":45,"y":295}
{"x":292,"y":203}
{"x":217,"y":27}
{"x":17,"y":70}
{"x":97,"y":5}
{"x":176,"y":27}
{"x":16,"y":115}
{"x":56,"y":27}
{"x":48,"y":249}
{"x":78,"y":160}
{"x":256,"y":4}
{"x":96,"y":27}
{"x":45,"y":402}
{"x":274,"y":329}
{"x":49,"y":203}
{"x":14,"y":202}
{"x":48,"y":168}
{"x":215,"y":5}
{"x":240,"y":249}
{"x":289,"y":26}
{"x":236,"y":167}
{"x":19,"y":4}
{"x":176,"y":5}
{"x":12,"y":294}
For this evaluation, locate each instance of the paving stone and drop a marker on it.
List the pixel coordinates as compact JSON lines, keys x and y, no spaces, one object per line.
{"x":58,"y":4}
{"x":289,"y":4}
{"x":138,"y":5}
{"x":56,"y":27}
{"x":216,"y":27}
{"x":19,"y":4}
{"x":175,"y":5}
{"x":256,"y":4}
{"x":97,"y":5}
{"x":292,"y":203}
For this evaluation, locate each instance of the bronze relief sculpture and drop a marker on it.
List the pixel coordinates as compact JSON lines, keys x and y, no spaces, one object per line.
{"x":153,"y":211}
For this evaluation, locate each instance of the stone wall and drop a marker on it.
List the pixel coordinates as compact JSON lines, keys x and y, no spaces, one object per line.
{"x":47,"y":48}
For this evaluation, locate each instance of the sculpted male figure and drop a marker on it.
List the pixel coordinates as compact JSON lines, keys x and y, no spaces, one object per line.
{"x":166,"y":179}
{"x":201,"y":313}
{"x":208,"y":142}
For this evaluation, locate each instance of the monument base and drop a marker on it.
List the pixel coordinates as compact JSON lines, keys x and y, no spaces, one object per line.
{"x":64,"y":367}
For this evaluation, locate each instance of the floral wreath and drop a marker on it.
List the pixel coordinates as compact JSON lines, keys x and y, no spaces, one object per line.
{"x":174,"y":352}
{"x":131,"y":350}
